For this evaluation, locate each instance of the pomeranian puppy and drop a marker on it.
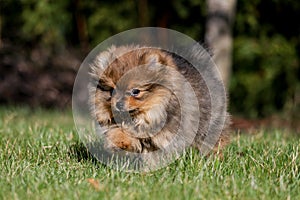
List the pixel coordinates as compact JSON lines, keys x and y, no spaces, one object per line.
{"x":146,"y":99}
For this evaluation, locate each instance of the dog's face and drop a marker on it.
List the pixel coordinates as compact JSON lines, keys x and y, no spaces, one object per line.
{"x":134,"y":90}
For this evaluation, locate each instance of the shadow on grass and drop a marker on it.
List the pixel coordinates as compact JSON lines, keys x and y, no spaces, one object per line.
{"x":79,"y":152}
{"x":96,"y":154}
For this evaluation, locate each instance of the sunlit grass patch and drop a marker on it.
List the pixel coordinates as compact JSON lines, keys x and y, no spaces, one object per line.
{"x":41,"y":157}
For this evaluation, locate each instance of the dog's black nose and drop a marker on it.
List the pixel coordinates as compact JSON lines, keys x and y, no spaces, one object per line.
{"x":120,"y":105}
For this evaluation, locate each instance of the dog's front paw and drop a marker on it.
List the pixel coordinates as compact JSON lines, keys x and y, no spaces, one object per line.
{"x":117,"y":140}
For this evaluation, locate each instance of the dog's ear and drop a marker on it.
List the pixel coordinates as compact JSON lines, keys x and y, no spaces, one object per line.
{"x":156,"y":58}
{"x":152,"y":58}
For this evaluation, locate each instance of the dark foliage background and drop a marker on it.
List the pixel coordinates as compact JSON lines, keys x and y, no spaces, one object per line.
{"x":43,"y":42}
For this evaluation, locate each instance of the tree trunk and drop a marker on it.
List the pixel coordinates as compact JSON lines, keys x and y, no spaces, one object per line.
{"x":218,"y":34}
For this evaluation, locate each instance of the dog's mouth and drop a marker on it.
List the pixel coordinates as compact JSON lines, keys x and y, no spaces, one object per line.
{"x":133,"y":111}
{"x":124,"y":116}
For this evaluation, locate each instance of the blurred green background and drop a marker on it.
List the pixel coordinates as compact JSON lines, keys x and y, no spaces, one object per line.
{"x":43,"y":42}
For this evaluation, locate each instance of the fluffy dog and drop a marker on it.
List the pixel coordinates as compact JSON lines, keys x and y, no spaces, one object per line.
{"x":147,"y":99}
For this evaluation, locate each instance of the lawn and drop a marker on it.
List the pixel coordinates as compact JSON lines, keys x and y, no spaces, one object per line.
{"x":41,"y":157}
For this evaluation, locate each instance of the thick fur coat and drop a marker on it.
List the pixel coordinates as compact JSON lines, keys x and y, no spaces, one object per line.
{"x":147,"y":99}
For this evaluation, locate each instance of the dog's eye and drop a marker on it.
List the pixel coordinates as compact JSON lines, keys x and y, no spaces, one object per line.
{"x":105,"y":88}
{"x":134,"y":92}
{"x":111,"y":91}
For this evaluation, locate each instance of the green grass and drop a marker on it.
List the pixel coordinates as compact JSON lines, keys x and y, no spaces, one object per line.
{"x":41,"y":158}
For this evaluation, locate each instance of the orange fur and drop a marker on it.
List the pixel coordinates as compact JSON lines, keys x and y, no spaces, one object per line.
{"x":155,"y":107}
{"x":117,"y":138}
